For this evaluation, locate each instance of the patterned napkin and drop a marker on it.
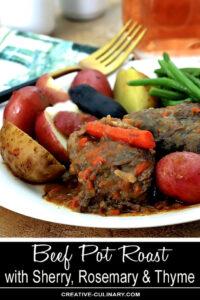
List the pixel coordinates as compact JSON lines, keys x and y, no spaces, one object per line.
{"x":25,"y":56}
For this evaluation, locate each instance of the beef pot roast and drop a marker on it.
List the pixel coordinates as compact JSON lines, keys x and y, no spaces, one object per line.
{"x":175,"y":128}
{"x":112,"y":174}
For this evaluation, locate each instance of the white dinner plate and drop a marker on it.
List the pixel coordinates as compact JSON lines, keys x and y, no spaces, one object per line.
{"x":27,"y":199}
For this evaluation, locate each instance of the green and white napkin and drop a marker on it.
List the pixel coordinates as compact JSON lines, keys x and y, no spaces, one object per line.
{"x":25,"y":56}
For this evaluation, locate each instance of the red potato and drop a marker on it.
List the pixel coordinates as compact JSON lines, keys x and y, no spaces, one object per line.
{"x":67,"y":121}
{"x":24,"y":106}
{"x":48,"y":135}
{"x":178,"y":175}
{"x":50,"y":138}
{"x":94,"y":78}
{"x":55,"y":94}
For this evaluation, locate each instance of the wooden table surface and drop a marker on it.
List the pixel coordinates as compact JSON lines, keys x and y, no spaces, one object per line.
{"x":96,"y":32}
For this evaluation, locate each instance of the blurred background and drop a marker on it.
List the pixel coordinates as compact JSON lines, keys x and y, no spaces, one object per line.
{"x":41,"y":36}
{"x":65,"y":19}
{"x":173,"y":26}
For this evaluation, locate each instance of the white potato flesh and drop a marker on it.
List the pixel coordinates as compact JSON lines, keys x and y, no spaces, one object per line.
{"x":50,"y":113}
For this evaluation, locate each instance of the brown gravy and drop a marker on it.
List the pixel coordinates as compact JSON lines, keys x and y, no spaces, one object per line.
{"x":66,"y":194}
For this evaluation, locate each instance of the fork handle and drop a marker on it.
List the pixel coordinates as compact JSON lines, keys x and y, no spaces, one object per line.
{"x":65,"y":71}
{"x":5,"y":95}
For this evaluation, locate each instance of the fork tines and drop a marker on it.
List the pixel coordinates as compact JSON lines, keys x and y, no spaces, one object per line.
{"x":121,"y":46}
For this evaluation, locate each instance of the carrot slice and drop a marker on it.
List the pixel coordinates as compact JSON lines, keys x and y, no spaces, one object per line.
{"x":94,"y":152}
{"x":134,"y":136}
{"x":114,"y":212}
{"x":98,"y":160}
{"x":195,"y":110}
{"x":82,"y":142}
{"x":141,"y":168}
{"x":86,"y":174}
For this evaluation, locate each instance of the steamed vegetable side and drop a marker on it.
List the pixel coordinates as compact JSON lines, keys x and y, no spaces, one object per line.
{"x":174,"y":85}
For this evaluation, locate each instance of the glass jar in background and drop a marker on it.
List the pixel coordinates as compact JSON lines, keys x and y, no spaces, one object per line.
{"x":173,"y":26}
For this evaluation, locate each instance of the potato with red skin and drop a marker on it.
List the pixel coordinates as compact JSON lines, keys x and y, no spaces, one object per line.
{"x":178,"y":176}
{"x":24,"y":106}
{"x":53,"y":138}
{"x":67,"y":121}
{"x":55,"y":94}
{"x":94,"y":78}
{"x":50,"y":138}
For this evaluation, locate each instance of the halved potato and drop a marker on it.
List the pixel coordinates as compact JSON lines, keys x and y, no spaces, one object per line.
{"x":26,"y":158}
{"x":132,"y":98}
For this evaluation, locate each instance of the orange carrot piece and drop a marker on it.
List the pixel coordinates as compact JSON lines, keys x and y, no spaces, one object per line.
{"x":137,"y":189}
{"x":97,"y":160}
{"x":166,"y":113}
{"x":94,"y":152}
{"x":115,"y":195}
{"x":141,"y":168}
{"x":80,"y":174}
{"x":89,"y":185}
{"x":134,"y":137}
{"x":114,"y":212}
{"x":138,"y":124}
{"x":82,"y":142}
{"x":93,"y":177}
{"x":102,"y":183}
{"x":86,"y":174}
{"x":195,"y":110}
{"x":74,"y":203}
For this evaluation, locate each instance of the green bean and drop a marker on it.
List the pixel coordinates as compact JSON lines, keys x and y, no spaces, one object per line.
{"x":167,"y":102}
{"x":157,"y":92}
{"x":193,"y":71}
{"x":160,"y":72}
{"x":179,"y":84}
{"x":166,"y":69}
{"x":166,"y":57}
{"x":181,"y":77}
{"x":193,"y":79}
{"x":164,"y":82}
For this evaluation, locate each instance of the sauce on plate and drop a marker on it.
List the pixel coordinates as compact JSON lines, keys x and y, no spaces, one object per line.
{"x":66,"y":194}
